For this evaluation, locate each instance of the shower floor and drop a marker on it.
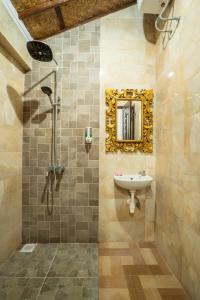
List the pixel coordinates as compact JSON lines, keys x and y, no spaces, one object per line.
{"x":51,"y":271}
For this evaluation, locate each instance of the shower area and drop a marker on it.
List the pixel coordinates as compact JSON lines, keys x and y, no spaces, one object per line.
{"x":60,"y":173}
{"x":58,"y":258}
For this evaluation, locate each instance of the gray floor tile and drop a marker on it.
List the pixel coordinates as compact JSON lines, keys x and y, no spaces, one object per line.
{"x":19,"y":288}
{"x":69,"y":289}
{"x":35,"y":264}
{"x":75,"y":260}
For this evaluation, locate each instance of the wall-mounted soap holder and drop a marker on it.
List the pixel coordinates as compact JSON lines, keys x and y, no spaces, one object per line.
{"x":88,"y":135}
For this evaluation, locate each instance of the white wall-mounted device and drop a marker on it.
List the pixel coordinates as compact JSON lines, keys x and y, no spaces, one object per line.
{"x":88,"y":135}
{"x":151,"y":6}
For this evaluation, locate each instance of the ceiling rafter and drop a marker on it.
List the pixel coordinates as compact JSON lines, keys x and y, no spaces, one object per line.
{"x":60,"y":17}
{"x":42,"y":7}
{"x":93,"y":18}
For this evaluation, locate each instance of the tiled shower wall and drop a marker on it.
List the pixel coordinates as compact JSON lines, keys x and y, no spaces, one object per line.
{"x":74,"y":217}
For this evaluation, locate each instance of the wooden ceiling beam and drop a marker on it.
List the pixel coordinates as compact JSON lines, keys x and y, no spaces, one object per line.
{"x":41,"y":7}
{"x":92,"y":18}
{"x":60,"y":17}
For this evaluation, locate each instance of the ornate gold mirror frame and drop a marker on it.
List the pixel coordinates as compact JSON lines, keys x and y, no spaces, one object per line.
{"x":146,"y":143}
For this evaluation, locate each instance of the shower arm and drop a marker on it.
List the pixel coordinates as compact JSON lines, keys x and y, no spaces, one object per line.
{"x":55,"y":61}
{"x":161,"y":18}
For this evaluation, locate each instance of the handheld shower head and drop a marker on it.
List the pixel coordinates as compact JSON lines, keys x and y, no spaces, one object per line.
{"x":40,"y":51}
{"x":48,"y":91}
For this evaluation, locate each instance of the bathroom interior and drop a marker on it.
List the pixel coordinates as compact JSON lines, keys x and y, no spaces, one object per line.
{"x":99,"y":150}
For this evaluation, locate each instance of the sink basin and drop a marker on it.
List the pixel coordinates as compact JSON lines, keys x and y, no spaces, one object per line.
{"x":133,"y":183}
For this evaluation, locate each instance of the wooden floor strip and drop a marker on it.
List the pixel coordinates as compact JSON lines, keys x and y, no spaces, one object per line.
{"x":114,"y":245}
{"x":116,"y":266}
{"x":152,"y":294}
{"x":172,"y":294}
{"x":142,"y":270}
{"x":135,"y":288}
{"x":114,"y":294}
{"x":112,"y":282}
{"x":105,"y":265}
{"x":137,"y":270}
{"x":114,"y":252}
{"x":159,"y":281}
{"x":127,"y":260}
{"x":147,"y":244}
{"x":160,"y":261}
{"x":148,"y":256}
{"x":137,"y":256}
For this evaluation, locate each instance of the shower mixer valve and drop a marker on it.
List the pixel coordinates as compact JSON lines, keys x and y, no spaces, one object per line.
{"x":56,"y":169}
{"x":59,"y":169}
{"x":57,"y":103}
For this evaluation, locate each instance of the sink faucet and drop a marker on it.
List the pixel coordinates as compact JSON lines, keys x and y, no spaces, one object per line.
{"x":143,"y":173}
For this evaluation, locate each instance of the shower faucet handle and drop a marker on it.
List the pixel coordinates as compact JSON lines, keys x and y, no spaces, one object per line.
{"x":58,"y":100}
{"x":59,"y":169}
{"x":50,"y":169}
{"x":143,"y":173}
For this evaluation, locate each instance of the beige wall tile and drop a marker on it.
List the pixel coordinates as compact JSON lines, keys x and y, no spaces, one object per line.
{"x":177,"y":147}
{"x":12,"y":87}
{"x":127,"y":64}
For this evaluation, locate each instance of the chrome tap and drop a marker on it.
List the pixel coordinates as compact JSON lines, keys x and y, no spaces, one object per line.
{"x":143,"y":173}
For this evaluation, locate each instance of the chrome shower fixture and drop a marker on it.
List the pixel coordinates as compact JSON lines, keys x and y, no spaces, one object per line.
{"x":40,"y":51}
{"x":48,"y":91}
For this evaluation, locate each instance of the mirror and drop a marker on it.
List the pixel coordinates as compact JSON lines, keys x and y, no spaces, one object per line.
{"x":129,"y":120}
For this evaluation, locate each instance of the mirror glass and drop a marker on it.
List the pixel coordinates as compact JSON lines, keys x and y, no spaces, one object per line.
{"x":129,"y":120}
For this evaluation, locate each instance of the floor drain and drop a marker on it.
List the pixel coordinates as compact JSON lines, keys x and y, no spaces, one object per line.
{"x":28,"y":248}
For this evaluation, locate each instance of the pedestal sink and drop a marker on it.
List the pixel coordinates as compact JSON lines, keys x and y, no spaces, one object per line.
{"x":133,"y":183}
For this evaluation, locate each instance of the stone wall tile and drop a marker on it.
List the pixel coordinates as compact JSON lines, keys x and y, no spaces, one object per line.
{"x":78,"y":86}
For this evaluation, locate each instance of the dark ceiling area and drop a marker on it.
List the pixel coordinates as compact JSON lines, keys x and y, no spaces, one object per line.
{"x":45,"y":18}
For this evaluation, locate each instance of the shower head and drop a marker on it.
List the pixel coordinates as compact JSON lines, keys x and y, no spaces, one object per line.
{"x":40,"y":51}
{"x":46,"y":90}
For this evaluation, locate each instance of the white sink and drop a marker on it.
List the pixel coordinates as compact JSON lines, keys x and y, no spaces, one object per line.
{"x":133,"y":183}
